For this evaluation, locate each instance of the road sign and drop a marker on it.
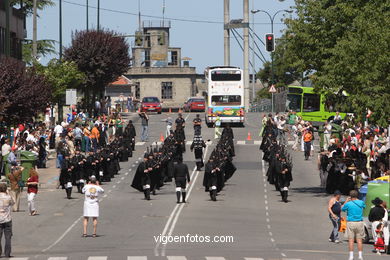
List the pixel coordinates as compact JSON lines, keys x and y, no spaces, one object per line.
{"x":71,"y":97}
{"x":272,"y":89}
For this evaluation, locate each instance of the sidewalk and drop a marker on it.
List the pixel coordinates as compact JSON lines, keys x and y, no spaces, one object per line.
{"x":48,"y":177}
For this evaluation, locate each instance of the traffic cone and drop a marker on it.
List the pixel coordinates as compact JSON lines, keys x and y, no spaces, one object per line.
{"x":249,"y":138}
{"x":179,"y":110}
{"x":161,"y":138}
{"x":170,"y":110}
{"x":139,"y":110}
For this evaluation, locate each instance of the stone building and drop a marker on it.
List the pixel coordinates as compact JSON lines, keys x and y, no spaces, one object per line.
{"x":17,"y":31}
{"x":159,"y":69}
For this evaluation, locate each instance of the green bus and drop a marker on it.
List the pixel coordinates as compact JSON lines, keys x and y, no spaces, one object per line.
{"x":311,"y":106}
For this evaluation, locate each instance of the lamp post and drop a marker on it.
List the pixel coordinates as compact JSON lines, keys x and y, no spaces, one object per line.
{"x":98,"y":15}
{"x":60,"y":24}
{"x":87,"y":16}
{"x":7,"y":29}
{"x":272,"y":19}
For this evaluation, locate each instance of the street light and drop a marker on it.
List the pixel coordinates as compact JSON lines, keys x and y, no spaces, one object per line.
{"x":272,"y":19}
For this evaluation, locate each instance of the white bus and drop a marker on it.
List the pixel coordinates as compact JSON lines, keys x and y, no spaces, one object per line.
{"x":225,"y":95}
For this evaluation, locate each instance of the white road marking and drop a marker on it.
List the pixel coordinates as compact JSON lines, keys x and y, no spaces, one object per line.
{"x":257,"y":142}
{"x":270,"y":233}
{"x":136,"y":162}
{"x":266,"y":213}
{"x":54,"y":258}
{"x":269,"y":226}
{"x":248,"y":258}
{"x":139,"y":143}
{"x":272,"y":240}
{"x":176,"y":258}
{"x":126,"y":173}
{"x":122,"y":178}
{"x":114,"y":186}
{"x":172,"y":220}
{"x":188,"y":142}
{"x":62,"y":236}
{"x":19,"y":258}
{"x":240,"y":142}
{"x":97,"y":258}
{"x":266,"y":207}
{"x":105,"y":196}
{"x":266,"y":202}
{"x":265,"y":190}
{"x":215,"y":258}
{"x":284,"y":255}
{"x":267,"y":220}
{"x":137,"y":258}
{"x":265,"y":196}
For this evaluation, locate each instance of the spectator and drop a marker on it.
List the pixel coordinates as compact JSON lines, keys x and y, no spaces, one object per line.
{"x":95,"y":135}
{"x":307,"y":138}
{"x":355,"y":226}
{"x":32,"y":190}
{"x":334,"y":209}
{"x":92,"y":192}
{"x":145,"y":126}
{"x":87,"y":140}
{"x":78,"y":136}
{"x":15,"y":179}
{"x":6,"y":202}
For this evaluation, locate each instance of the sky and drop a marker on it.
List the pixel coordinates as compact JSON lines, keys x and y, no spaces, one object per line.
{"x":201,"y":41}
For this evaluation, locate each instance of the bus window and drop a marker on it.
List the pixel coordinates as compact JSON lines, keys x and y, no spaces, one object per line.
{"x":293,"y":103}
{"x":311,"y":102}
{"x":225,"y":75}
{"x":233,"y":100}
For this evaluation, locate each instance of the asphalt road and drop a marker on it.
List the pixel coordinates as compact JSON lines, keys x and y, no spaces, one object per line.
{"x":249,"y":213}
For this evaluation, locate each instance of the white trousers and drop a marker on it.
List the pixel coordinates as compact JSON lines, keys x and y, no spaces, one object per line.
{"x":31,"y":202}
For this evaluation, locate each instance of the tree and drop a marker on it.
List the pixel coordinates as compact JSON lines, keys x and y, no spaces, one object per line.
{"x":26,"y":6}
{"x":61,"y":76}
{"x":101,"y":56}
{"x":342,"y":46}
{"x":23,"y":93}
{"x":44,"y":48}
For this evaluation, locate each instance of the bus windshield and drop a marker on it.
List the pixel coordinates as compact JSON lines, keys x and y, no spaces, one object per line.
{"x":233,"y":100}
{"x":225,"y":75}
{"x":293,"y":103}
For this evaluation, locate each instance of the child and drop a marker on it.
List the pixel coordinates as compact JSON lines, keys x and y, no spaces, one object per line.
{"x":379,"y":242}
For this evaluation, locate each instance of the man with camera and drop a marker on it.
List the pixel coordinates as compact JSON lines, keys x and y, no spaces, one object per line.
{"x":16,"y":184}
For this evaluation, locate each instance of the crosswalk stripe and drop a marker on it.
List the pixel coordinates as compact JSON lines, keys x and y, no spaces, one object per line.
{"x":177,"y":258}
{"x":57,"y":258}
{"x":257,"y":143}
{"x":97,"y":258}
{"x":240,"y":142}
{"x":137,"y":258}
{"x":19,"y":258}
{"x":249,"y":258}
{"x":139,"y":143}
{"x":215,"y":258}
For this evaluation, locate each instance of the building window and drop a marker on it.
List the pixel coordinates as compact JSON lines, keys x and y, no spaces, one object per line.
{"x":166,"y":90}
{"x":173,"y":56}
{"x":137,"y":90}
{"x":147,"y":58}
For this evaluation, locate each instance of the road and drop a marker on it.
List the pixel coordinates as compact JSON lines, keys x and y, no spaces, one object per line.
{"x":248,"y":210}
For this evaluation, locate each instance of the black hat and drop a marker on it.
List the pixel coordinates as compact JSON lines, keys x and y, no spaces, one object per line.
{"x":377,"y":201}
{"x":337,"y":192}
{"x":146,"y":155}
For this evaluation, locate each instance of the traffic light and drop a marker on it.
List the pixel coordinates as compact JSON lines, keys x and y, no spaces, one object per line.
{"x":270,"y":42}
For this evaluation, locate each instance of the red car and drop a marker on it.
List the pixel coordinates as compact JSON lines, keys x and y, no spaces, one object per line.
{"x":151,"y":104}
{"x":195,"y":104}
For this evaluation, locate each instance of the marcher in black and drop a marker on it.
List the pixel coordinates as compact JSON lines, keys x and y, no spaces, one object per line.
{"x":197,"y":125}
{"x":182,"y":176}
{"x":141,"y":181}
{"x":197,"y":146}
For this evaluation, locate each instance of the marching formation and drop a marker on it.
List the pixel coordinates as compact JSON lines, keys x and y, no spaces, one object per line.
{"x":279,"y":172}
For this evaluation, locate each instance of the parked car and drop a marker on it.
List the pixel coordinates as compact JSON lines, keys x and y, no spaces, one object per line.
{"x":195,"y":104}
{"x":151,"y":104}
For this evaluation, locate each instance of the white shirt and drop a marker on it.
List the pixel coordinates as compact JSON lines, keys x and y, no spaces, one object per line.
{"x":92,"y":193}
{"x":281,"y":124}
{"x":5,"y":149}
{"x":328,"y":129}
{"x":31,"y":138}
{"x":6,"y":203}
{"x":58,"y":130}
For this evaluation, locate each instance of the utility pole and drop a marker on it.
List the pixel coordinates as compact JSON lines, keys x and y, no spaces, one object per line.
{"x":60,"y":23}
{"x":7,"y":30}
{"x":139,"y":15}
{"x":226,"y":19}
{"x":253,"y":54}
{"x":98,"y":15}
{"x":246,"y":54}
{"x":87,"y":16}
{"x":34,"y":45}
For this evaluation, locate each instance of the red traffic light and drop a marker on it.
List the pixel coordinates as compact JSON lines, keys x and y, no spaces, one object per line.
{"x":269,"y":38}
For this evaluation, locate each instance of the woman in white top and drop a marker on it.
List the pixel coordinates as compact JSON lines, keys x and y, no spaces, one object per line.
{"x":91,"y":191}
